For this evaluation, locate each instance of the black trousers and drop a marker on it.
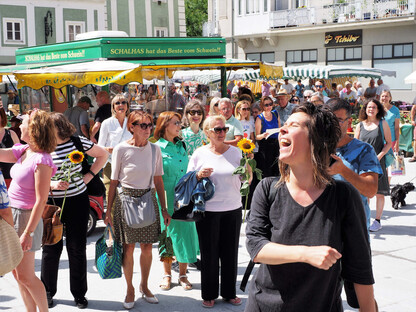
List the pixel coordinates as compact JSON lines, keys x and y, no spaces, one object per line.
{"x":219,"y":234}
{"x":75,"y":217}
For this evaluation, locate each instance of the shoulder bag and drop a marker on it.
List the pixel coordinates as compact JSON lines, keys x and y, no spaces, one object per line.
{"x":95,"y":187}
{"x":11,"y":252}
{"x":108,"y":259}
{"x":140,"y":211}
{"x":53,"y":228}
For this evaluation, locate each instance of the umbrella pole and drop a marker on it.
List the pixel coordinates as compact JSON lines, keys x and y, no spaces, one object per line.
{"x":166,"y":90}
{"x":223,"y":82}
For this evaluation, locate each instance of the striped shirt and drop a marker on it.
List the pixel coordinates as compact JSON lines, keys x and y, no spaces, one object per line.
{"x":77,"y":186}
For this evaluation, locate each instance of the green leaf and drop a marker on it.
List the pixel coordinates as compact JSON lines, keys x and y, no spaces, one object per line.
{"x":258,"y":173}
{"x":243,"y":161}
{"x":239,"y":170}
{"x":252,"y":163}
{"x":245,"y":188}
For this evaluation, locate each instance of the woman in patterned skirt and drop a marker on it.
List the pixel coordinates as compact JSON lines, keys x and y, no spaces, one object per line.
{"x":132,"y":167}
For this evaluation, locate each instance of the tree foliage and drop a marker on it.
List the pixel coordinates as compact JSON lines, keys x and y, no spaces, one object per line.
{"x":196,"y":14}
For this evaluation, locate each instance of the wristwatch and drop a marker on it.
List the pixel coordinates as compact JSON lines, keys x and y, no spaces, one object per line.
{"x":31,"y":234}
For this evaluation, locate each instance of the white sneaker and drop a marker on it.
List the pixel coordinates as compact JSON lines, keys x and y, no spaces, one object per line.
{"x":376,"y":226}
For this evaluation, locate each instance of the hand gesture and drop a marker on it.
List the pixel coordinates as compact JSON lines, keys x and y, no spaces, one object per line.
{"x":322,"y":257}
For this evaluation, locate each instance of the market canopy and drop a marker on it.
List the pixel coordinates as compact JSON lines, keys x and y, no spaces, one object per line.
{"x":411,"y":78}
{"x":333,"y":71}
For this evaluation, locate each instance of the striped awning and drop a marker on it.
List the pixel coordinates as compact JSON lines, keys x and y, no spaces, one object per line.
{"x":333,"y":71}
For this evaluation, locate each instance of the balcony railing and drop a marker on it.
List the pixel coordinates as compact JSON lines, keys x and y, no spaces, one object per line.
{"x":342,"y":13}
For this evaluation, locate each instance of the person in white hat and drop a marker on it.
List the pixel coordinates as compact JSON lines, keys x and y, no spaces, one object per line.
{"x":284,"y":109}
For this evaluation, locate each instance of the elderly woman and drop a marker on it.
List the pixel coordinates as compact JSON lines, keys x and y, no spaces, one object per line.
{"x":132,"y":169}
{"x":299,"y":226}
{"x":75,"y":212}
{"x":28,"y":194}
{"x":267,"y":156}
{"x":214,"y":106}
{"x":113,"y":131}
{"x":192,"y":120}
{"x":219,"y":230}
{"x":374,"y":130}
{"x":7,"y":139}
{"x":175,"y":163}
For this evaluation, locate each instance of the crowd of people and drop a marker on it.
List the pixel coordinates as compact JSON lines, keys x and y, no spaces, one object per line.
{"x":302,"y":148}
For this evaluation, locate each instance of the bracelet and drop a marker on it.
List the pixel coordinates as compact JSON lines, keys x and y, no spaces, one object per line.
{"x":29,"y":233}
{"x":91,"y":173}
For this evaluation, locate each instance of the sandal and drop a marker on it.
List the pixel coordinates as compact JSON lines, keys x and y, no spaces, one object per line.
{"x":413,"y":159}
{"x":208,"y":303}
{"x":166,"y":283}
{"x":236,"y":301}
{"x":185,"y":284}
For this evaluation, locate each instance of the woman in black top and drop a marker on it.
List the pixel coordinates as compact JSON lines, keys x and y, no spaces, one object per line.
{"x":8,"y":138}
{"x":303,"y":227}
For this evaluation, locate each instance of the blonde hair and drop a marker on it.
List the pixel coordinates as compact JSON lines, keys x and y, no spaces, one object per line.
{"x":41,"y":130}
{"x":238,"y":107}
{"x":214,"y":101}
{"x":119,"y":97}
{"x":210,"y":120}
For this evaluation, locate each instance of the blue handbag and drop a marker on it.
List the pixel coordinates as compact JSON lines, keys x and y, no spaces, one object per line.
{"x":108,"y":259}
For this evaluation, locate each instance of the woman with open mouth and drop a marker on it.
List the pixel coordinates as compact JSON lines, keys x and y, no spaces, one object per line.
{"x":304,"y":227}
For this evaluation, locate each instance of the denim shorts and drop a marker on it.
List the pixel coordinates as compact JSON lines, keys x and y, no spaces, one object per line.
{"x":20,"y":219}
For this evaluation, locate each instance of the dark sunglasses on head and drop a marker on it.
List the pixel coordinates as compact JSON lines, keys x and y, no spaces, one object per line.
{"x":267,"y":105}
{"x":218,"y":130}
{"x":319,"y":87}
{"x":245,"y":109}
{"x":193,"y":112}
{"x":144,"y":126}
{"x":119,"y":103}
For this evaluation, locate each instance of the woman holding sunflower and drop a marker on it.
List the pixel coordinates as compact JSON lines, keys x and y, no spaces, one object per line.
{"x":219,"y":230}
{"x":69,"y":191}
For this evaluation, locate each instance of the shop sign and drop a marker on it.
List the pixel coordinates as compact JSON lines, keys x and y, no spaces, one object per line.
{"x":58,"y":56}
{"x":344,"y":38}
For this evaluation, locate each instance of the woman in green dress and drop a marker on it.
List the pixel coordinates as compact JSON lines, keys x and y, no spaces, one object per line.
{"x":193,"y":119}
{"x":175,"y":162}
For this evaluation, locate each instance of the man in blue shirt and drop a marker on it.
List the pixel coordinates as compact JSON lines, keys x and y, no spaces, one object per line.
{"x":299,"y":89}
{"x":355,"y":161}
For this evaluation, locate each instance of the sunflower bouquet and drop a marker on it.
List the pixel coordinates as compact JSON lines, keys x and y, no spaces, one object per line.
{"x":72,"y":159}
{"x":246,"y":146}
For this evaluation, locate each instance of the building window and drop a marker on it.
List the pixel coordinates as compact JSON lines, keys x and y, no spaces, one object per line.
{"x":343,"y":54}
{"x":160,"y":32}
{"x":397,"y":57}
{"x":14,"y":31}
{"x":73,"y":29}
{"x":252,"y":6}
{"x":301,"y":56}
{"x":159,"y":1}
{"x":267,"y":57}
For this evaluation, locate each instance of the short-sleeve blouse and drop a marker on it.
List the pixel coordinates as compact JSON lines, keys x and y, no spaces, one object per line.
{"x":22,"y":188}
{"x":193,"y":140}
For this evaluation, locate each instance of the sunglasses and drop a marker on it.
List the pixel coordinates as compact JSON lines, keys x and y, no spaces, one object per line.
{"x":121,"y":103}
{"x":308,"y":97}
{"x":320,"y":87}
{"x":295,"y":100}
{"x":144,"y":126}
{"x":216,"y":104}
{"x":177,"y":123}
{"x":245,"y":109}
{"x":218,"y":130}
{"x":267,"y":105}
{"x":195,"y":112}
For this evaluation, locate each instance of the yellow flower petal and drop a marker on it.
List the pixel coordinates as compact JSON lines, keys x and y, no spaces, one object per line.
{"x":246,"y":145}
{"x":76,"y":157}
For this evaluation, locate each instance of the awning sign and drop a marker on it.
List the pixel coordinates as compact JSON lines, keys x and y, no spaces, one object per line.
{"x":344,"y":38}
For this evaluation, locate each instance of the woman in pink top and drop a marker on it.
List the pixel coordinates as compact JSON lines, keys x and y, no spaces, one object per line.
{"x":28,"y":194}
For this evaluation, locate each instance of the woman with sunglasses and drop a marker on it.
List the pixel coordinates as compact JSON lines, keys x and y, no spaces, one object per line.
{"x":268,"y":154}
{"x":193,"y":119}
{"x":113,"y":131}
{"x":214,"y":106}
{"x":219,"y":230}
{"x":132,"y":169}
{"x":295,"y":100}
{"x":175,"y":163}
{"x":242,"y":113}
{"x":305,"y":229}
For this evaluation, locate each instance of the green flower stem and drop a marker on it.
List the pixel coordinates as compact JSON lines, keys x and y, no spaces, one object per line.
{"x":247,"y":178}
{"x":68,"y":179}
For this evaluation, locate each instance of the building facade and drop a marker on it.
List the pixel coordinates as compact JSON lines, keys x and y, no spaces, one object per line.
{"x":379,"y":34}
{"x":26,"y":23}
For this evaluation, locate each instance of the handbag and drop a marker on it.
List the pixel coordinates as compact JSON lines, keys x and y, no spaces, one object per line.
{"x":53,"y":228}
{"x":398,"y":167}
{"x":11,"y":252}
{"x":389,"y":157}
{"x":108,"y":259}
{"x":95,"y":187}
{"x":139,"y":211}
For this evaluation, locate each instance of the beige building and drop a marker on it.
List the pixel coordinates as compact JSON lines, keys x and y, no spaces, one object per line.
{"x":379,"y":34}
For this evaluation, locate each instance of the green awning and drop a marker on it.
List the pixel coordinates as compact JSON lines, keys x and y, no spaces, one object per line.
{"x":11,"y":69}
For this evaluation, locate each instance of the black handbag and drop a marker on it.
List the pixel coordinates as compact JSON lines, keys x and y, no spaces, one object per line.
{"x":95,"y":187}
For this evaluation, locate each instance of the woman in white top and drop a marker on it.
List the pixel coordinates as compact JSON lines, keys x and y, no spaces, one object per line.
{"x":242,"y":113}
{"x":132,"y":168}
{"x":113,"y":131}
{"x":219,"y":230}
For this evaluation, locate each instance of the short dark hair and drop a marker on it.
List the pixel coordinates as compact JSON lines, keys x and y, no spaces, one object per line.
{"x":3,"y":117}
{"x":336,"y":104}
{"x":324,"y":134}
{"x":380,"y":114}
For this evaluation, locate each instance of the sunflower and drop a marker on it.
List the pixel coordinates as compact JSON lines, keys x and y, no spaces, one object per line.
{"x":246,"y":145}
{"x":76,"y":157}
